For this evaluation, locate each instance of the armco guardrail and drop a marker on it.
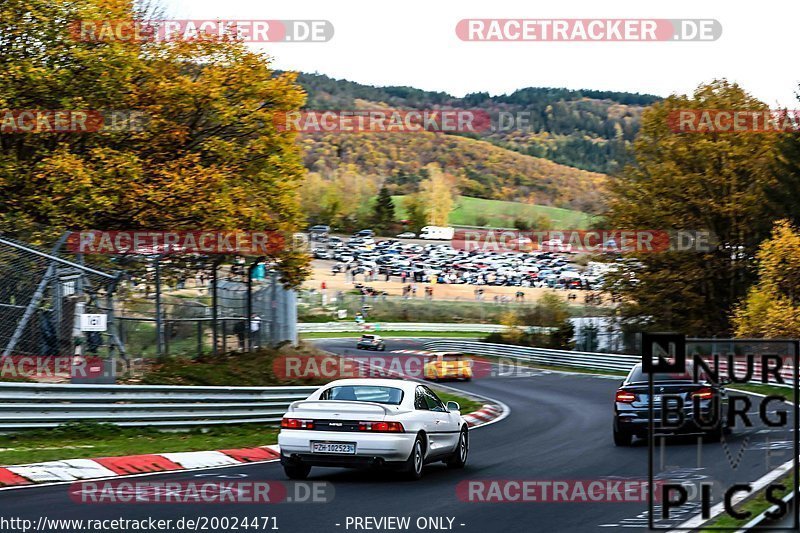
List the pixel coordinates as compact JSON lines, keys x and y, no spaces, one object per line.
{"x":590,"y":360}
{"x":348,"y":327}
{"x":39,"y":405}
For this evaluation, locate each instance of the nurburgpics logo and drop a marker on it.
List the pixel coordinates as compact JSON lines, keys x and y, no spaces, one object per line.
{"x":738,"y":399}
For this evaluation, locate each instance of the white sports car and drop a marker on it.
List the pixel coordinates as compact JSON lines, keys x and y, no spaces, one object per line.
{"x":372,"y":422}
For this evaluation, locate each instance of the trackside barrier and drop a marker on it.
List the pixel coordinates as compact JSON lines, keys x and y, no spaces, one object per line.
{"x":589,"y":360}
{"x":377,"y":327}
{"x":42,"y":405}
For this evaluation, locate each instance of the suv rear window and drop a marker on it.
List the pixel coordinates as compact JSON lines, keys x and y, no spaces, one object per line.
{"x":638,"y":376}
{"x":367,"y":337}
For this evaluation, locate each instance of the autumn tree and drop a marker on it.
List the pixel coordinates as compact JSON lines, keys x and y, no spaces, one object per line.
{"x":340,"y":198}
{"x":721,"y":183}
{"x":772,"y":306}
{"x":438,"y":191}
{"x":416,"y":211}
{"x":208,"y":157}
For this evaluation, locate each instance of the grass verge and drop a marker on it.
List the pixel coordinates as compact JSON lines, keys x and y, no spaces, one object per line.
{"x":88,"y":440}
{"x":467,"y":405}
{"x":502,"y":214}
{"x":755,"y":506}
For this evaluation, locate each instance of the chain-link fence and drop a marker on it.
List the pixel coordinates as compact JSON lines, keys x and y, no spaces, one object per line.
{"x":155,"y":306}
{"x":43,"y":292}
{"x":203,"y":308}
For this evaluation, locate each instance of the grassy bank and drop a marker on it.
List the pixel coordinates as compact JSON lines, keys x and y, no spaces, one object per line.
{"x":84,"y":440}
{"x":470,"y":211}
{"x":233,"y":369}
{"x":755,"y":505}
{"x":438,"y":311}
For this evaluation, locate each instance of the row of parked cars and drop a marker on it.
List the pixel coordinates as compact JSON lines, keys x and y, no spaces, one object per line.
{"x":442,"y":263}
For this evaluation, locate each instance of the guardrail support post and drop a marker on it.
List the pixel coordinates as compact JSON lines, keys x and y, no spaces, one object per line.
{"x":160,"y":345}
{"x":214,"y":311}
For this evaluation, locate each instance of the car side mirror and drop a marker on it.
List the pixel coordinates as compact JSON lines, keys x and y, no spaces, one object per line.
{"x":453,"y":406}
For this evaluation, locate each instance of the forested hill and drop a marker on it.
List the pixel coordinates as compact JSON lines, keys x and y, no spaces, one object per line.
{"x":586,"y":129}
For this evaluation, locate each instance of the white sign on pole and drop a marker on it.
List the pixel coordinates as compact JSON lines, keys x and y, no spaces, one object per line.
{"x":94,"y":322}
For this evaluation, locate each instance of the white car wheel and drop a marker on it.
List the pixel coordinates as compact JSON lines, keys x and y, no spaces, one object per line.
{"x":415,"y":461}
{"x":459,"y":457}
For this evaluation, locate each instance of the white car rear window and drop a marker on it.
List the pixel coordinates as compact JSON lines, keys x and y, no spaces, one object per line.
{"x":363,"y":393}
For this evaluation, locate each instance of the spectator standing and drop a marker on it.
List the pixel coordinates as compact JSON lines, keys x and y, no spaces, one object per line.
{"x":255,"y":330}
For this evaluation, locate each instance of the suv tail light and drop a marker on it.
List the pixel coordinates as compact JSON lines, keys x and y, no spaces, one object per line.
{"x":381,"y":427}
{"x":624,"y":396}
{"x":704,"y":394}
{"x":296,"y":423}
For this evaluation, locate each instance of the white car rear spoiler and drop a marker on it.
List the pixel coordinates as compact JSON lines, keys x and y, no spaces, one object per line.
{"x":346,"y":406}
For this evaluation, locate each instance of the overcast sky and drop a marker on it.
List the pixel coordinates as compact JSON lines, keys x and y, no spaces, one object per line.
{"x":413,"y":42}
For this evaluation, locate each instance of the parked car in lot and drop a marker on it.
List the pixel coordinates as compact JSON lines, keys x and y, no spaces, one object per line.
{"x":371,"y":342}
{"x":322,"y":253}
{"x":442,"y":263}
{"x":437,"y":233}
{"x":355,"y":423}
{"x":448,"y":365}
{"x":632,"y":405}
{"x":319,"y":231}
{"x":407,"y":235}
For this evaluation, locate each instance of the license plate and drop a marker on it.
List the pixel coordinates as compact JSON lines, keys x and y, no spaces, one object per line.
{"x":333,"y":447}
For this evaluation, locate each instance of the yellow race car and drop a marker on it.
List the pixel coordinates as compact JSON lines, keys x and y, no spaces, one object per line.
{"x":448,"y":365}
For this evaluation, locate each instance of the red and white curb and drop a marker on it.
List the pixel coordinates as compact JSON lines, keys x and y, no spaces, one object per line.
{"x":110,"y":467}
{"x":487,"y":413}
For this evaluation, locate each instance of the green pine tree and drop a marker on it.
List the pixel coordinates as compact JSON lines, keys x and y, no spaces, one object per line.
{"x":383,"y":211}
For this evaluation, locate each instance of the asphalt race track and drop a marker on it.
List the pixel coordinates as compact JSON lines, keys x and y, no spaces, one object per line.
{"x":559,"y":429}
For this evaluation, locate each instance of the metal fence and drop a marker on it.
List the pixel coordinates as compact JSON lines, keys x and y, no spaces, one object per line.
{"x":39,"y":406}
{"x":377,"y":327}
{"x":589,"y":360}
{"x":198,"y":306}
{"x":154,"y":305}
{"x":42,"y":293}
{"x":622,"y":363}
